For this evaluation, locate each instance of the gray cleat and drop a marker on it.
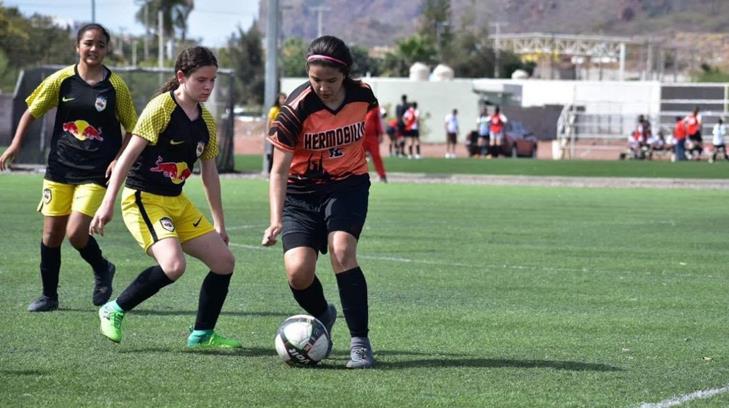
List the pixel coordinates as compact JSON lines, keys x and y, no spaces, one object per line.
{"x":360,"y":355}
{"x":43,"y":304}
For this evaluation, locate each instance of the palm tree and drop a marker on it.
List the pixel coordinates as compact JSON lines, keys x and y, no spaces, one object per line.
{"x":174,"y":14}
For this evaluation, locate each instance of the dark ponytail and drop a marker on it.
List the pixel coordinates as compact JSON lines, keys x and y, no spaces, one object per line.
{"x":189,"y":61}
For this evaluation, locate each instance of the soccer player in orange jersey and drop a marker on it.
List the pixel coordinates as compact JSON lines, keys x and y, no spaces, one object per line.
{"x":319,"y":188}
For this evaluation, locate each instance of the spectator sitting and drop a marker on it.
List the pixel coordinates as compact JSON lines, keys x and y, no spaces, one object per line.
{"x":472,"y":144}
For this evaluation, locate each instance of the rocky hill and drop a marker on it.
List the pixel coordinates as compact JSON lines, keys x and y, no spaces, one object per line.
{"x":381,"y":22}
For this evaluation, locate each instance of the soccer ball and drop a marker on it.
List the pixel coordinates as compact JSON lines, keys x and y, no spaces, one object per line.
{"x":302,"y":340}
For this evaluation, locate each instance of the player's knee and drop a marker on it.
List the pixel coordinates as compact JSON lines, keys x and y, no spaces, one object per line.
{"x":78,"y":238}
{"x":53,"y":238}
{"x":224,"y":263}
{"x":342,"y":255}
{"x":174,"y":268}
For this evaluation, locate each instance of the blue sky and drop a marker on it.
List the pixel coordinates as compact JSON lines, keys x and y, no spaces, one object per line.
{"x":211,"y":20}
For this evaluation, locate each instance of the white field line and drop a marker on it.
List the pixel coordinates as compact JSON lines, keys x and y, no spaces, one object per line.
{"x":676,"y":401}
{"x":240,"y":227}
{"x":437,"y":263}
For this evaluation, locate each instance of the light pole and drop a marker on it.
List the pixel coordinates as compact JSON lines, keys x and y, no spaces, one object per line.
{"x":93,"y":11}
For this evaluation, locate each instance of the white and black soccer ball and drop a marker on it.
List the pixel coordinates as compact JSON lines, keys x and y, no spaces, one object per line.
{"x":302,"y":340}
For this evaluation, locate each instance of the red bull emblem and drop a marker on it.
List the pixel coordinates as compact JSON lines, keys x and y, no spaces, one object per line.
{"x":177,"y":172}
{"x":82,"y":130}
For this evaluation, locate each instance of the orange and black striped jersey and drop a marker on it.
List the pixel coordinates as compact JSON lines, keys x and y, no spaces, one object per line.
{"x":175,"y":144}
{"x":327,"y":144}
{"x":87,"y":132}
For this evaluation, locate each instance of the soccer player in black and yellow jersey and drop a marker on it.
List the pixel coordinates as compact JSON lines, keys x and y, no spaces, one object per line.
{"x":173,"y":132}
{"x":319,"y":188}
{"x":92,"y":102}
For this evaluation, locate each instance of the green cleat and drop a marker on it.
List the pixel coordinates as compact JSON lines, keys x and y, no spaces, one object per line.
{"x":211,"y":340}
{"x":111,"y":321}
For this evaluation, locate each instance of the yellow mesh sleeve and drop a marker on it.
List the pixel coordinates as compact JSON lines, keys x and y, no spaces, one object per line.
{"x":154,"y":118}
{"x":125,"y":110}
{"x":211,"y":149}
{"x":45,"y":96}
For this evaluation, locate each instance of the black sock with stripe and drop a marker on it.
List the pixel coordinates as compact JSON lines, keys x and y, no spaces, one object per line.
{"x":149,"y":282}
{"x":312,"y":298}
{"x":91,"y":253}
{"x":353,"y":294}
{"x":50,"y":268}
{"x":213,"y":291}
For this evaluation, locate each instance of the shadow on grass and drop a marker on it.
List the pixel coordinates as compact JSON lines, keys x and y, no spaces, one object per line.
{"x":23,"y":372}
{"x":494,"y":363}
{"x":152,"y":312}
{"x":242,"y":352}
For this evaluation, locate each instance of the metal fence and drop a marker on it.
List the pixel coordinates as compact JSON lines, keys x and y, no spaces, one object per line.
{"x":143,"y":84}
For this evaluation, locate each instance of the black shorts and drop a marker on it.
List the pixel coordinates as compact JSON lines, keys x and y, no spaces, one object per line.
{"x":452,"y":138}
{"x":309,"y":218}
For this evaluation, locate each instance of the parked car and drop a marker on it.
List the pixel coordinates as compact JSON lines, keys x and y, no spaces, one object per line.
{"x":518,"y":141}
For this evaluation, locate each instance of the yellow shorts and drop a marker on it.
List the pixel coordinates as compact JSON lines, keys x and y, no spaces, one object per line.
{"x":151,"y":217}
{"x":61,"y":199}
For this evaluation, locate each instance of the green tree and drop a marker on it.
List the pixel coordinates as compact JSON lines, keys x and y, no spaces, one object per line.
{"x":434,"y":24}
{"x":407,"y":52}
{"x":293,"y":57}
{"x":363,"y":63}
{"x":174,"y":14}
{"x":244,"y":53}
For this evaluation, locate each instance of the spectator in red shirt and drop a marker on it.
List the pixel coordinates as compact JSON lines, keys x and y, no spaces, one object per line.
{"x":679,"y":134}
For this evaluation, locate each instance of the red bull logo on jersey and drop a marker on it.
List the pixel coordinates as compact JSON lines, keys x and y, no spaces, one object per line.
{"x":176,"y":172}
{"x":82,"y":130}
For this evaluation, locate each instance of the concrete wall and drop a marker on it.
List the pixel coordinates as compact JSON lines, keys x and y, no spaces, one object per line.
{"x":626,"y":99}
{"x":435,"y":100}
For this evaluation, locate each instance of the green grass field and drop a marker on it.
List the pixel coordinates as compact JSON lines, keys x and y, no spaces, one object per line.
{"x":528,"y":167}
{"x":480,"y":296}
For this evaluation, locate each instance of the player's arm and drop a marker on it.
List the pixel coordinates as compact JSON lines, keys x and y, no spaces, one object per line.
{"x":9,"y":154}
{"x":125,"y":142}
{"x":211,"y":184}
{"x":106,"y":210}
{"x":277,"y":194}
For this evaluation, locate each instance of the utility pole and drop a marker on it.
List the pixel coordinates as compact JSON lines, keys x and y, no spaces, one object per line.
{"x":497,"y":48}
{"x":271,"y":81}
{"x":93,"y":11}
{"x":320,"y":13}
{"x":161,"y":39}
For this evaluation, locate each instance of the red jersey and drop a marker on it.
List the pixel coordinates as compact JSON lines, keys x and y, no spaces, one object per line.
{"x":327,"y":144}
{"x":693,"y":124}
{"x":679,"y":131}
{"x":497,"y":123}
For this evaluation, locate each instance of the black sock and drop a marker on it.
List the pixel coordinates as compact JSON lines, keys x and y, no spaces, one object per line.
{"x":410,"y":150}
{"x":213,"y":291}
{"x":312,"y":298}
{"x":353,"y":294}
{"x":417,"y":150}
{"x":149,"y":282}
{"x":50,"y":268}
{"x":91,"y":253}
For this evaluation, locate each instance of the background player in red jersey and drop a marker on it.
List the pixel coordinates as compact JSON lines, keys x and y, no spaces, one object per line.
{"x":374,"y":133}
{"x":319,"y":188}
{"x":92,"y":102}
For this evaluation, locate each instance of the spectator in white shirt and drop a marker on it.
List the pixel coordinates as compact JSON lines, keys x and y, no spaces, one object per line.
{"x":451,"y":128}
{"x":717,"y":141}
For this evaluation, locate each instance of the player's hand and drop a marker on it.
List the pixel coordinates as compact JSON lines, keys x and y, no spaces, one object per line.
{"x":270,"y":234}
{"x":101,"y":218}
{"x":7,"y":157}
{"x":224,"y":235}
{"x":109,"y":170}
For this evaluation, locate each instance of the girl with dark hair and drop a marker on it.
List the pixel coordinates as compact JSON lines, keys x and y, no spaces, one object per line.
{"x":93,"y":104}
{"x":173,"y":132}
{"x":319,"y":188}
